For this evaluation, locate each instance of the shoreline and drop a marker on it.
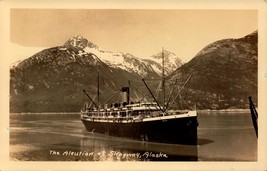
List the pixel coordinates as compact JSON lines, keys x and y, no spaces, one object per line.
{"x":224,"y":110}
{"x":201,"y":111}
{"x":44,"y":113}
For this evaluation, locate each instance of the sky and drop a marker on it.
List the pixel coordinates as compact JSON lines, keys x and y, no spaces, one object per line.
{"x":140,"y":32}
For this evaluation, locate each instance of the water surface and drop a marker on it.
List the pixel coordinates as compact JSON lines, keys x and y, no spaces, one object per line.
{"x":222,"y":136}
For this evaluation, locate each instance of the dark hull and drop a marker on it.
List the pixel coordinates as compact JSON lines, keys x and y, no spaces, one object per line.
{"x":175,"y":131}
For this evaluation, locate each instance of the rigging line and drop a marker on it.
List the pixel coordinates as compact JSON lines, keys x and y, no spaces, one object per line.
{"x":169,"y":99}
{"x":152,"y":95}
{"x":168,"y":86}
{"x":185,"y":99}
{"x":112,"y":97}
{"x":180,"y":90}
{"x":145,"y":97}
{"x":90,"y":98}
{"x":89,"y":91}
{"x":133,"y":86}
{"x":110,"y":92}
{"x":148,"y":80}
{"x":186,"y":92}
{"x":94,"y":98}
{"x":85,"y":105}
{"x":135,"y":91}
{"x":151,"y":83}
{"x":136,"y":95}
{"x":180,"y":97}
{"x":154,"y":82}
{"x":93,"y":93}
{"x":181,"y":100}
{"x":92,"y":102}
{"x":158,"y":89}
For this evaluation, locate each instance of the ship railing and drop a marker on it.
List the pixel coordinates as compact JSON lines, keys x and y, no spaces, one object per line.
{"x":176,"y":112}
{"x":130,"y":118}
{"x":110,"y":118}
{"x":160,"y":113}
{"x":152,"y":114}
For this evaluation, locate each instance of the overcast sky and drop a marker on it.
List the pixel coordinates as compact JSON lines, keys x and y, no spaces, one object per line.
{"x":140,"y":32}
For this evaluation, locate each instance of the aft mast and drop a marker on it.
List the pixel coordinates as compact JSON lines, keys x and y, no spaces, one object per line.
{"x":98,"y":93}
{"x":163,"y":80}
{"x":163,"y":109}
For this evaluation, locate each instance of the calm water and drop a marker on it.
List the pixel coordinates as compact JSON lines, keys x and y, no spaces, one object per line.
{"x":62,"y":137}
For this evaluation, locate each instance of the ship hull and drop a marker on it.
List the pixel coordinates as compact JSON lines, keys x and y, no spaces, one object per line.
{"x":181,"y":130}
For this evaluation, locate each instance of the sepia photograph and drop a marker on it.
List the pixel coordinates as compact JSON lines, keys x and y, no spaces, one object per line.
{"x":134,"y":85}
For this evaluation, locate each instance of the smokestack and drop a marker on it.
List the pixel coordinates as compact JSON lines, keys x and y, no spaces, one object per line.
{"x":125,"y":94}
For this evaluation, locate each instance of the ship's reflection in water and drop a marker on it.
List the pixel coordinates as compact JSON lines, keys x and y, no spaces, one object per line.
{"x":107,"y":148}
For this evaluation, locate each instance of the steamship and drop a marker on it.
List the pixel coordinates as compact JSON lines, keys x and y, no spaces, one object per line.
{"x":143,"y":120}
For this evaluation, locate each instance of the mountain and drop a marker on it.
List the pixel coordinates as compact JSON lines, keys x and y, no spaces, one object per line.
{"x":120,"y":60}
{"x":224,"y":74}
{"x":171,"y":62}
{"x":21,"y":53}
{"x":126,"y":61}
{"x":53,"y":80}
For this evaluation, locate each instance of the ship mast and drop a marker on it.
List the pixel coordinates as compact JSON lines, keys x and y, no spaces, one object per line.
{"x":162,"y":86}
{"x":98,"y":94}
{"x":163,"y":80}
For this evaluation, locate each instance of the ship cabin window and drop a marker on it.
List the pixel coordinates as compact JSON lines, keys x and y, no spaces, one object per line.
{"x":139,"y":112}
{"x":124,"y":104}
{"x":114,"y":114}
{"x":123,"y":114}
{"x":129,"y":113}
{"x":135,"y":113}
{"x":114,"y":105}
{"x":106,"y":114}
{"x":89,"y":109}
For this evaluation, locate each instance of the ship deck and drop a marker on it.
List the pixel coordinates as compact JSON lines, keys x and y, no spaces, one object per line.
{"x":130,"y":119}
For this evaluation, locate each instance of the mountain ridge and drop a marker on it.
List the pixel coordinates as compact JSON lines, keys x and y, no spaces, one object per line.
{"x":124,"y":60}
{"x":225,"y":73}
{"x":52,"y":80}
{"x":56,"y":77}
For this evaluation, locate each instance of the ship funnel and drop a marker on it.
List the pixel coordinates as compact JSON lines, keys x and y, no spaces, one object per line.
{"x":125,"y":95}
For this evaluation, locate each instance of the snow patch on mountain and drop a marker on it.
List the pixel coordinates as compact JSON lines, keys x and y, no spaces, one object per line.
{"x":120,"y":60}
{"x":171,"y":62}
{"x":126,"y":61}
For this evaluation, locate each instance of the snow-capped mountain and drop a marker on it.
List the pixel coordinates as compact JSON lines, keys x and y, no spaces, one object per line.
{"x":171,"y":62}
{"x":120,"y":60}
{"x":52,"y":80}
